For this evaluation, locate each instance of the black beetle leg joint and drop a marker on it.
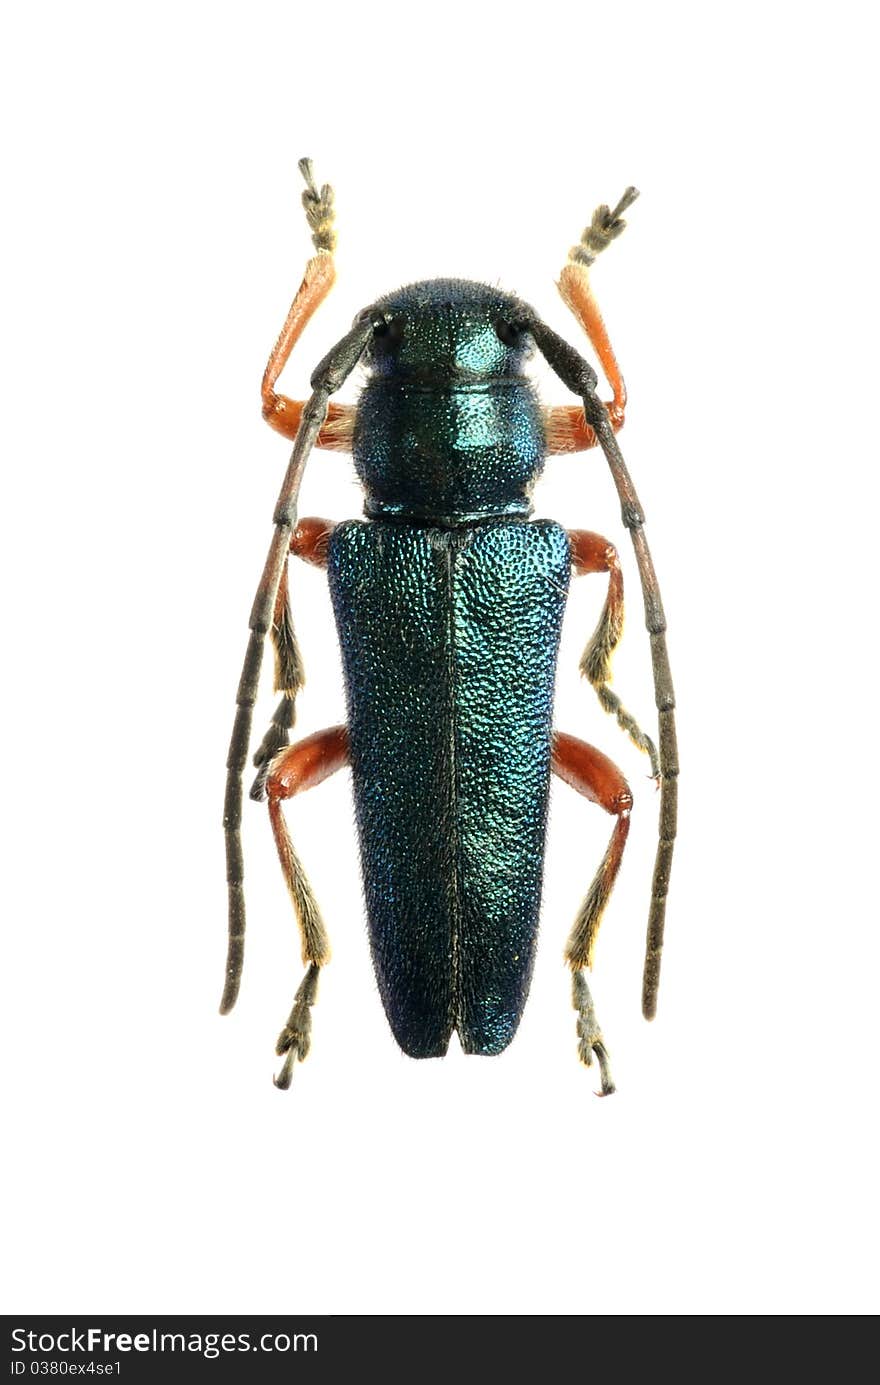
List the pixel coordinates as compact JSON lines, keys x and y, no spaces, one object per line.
{"x":589,"y":379}
{"x":632,"y":516}
{"x":315,"y":410}
{"x":595,"y":412}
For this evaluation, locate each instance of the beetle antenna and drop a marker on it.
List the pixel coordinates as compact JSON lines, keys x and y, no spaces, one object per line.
{"x":664,"y":694}
{"x":289,"y":671}
{"x":289,"y":678}
{"x":605,"y":227}
{"x":580,"y":377}
{"x":333,"y":370}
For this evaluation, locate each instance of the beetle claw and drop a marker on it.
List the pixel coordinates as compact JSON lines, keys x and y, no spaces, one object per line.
{"x":283,"y":1080}
{"x":293,"y":1045}
{"x":601,"y":1053}
{"x":590,"y":1040}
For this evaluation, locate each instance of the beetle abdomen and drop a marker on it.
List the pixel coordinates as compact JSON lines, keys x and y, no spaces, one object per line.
{"x":449,"y":642}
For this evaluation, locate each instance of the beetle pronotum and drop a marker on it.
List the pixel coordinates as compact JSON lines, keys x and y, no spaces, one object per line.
{"x":448,"y":601}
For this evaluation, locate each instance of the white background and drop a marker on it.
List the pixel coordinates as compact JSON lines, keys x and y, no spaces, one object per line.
{"x":153,"y":241}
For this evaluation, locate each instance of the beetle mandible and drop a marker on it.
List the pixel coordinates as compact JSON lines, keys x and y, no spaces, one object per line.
{"x":448,"y":600}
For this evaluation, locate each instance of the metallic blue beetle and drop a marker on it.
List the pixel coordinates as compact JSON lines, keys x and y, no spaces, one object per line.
{"x":448,"y":601}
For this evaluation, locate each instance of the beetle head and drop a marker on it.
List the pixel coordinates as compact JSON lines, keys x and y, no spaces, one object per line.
{"x":447,"y":332}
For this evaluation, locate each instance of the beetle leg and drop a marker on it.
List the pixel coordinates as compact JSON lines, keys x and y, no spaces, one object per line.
{"x":281,"y":413}
{"x":576,"y":290}
{"x":567,"y":429}
{"x":309,"y":542}
{"x":318,"y":280}
{"x":328,"y":377}
{"x":296,"y":769}
{"x":284,"y":415}
{"x":574,"y":286}
{"x":590,"y":1038}
{"x":580,"y":377}
{"x":598,"y":779}
{"x":310,"y":539}
{"x":592,"y":553}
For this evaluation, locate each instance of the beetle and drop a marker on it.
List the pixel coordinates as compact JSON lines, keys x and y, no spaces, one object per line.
{"x":448,"y":601}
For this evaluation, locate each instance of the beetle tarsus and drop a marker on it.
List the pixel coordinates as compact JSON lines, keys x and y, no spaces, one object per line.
{"x":612,"y":704}
{"x":295,"y":1039}
{"x":318,"y":205}
{"x":664,"y":697}
{"x":283,"y":1079}
{"x":595,"y":666}
{"x":605,"y":227}
{"x":590,"y":1040}
{"x":276,"y":739}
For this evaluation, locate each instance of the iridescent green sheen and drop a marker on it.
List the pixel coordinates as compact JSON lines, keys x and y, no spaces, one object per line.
{"x":449,"y":641}
{"x":449,"y":602}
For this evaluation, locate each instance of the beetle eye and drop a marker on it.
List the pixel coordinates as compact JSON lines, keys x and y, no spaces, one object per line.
{"x":508,"y":332}
{"x":391,"y":329}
